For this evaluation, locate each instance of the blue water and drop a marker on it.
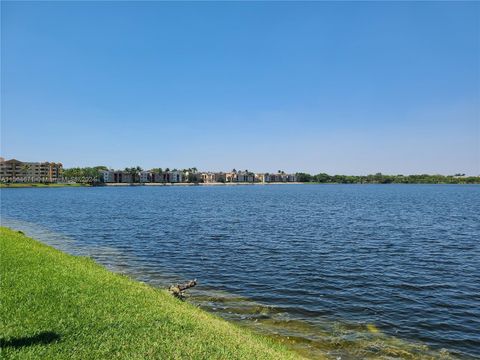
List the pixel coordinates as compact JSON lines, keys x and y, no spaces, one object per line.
{"x":404,"y":258}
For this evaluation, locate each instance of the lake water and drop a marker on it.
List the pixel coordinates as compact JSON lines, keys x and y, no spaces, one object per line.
{"x":350,"y":271}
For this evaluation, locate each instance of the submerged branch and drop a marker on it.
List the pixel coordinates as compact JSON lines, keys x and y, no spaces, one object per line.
{"x":177,"y":290}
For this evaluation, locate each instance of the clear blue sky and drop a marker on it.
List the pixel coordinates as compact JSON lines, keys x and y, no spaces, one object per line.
{"x":349,"y":88}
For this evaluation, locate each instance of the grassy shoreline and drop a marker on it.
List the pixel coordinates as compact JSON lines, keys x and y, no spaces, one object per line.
{"x":60,"y":306}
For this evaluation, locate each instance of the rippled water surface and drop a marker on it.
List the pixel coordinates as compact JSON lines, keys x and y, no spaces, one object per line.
{"x":350,"y":271}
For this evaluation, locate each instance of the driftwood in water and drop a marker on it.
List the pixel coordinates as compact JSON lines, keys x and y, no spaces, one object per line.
{"x":177,"y":290}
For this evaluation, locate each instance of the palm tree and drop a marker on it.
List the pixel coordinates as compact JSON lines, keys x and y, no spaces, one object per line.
{"x":25,"y":168}
{"x":156,"y":174}
{"x":128,"y":170}
{"x":133,"y":171}
{"x":138,"y":170}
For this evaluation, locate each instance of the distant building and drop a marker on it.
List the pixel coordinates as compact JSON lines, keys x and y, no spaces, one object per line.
{"x":279,"y":177}
{"x":145,"y":176}
{"x":291,"y":178}
{"x":176,"y":176}
{"x":106,"y":176}
{"x":240,"y":176}
{"x":121,"y":176}
{"x":245,"y":176}
{"x":115,"y":176}
{"x":264,"y":178}
{"x":231,"y":177}
{"x":157,"y":177}
{"x":208,"y":177}
{"x":19,"y":171}
{"x":213,"y":177}
{"x":173,"y":176}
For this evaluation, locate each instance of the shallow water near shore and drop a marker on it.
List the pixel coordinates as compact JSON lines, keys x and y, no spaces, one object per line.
{"x":349,"y":271}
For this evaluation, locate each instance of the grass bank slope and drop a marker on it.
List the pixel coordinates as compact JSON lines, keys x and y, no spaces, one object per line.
{"x":57,"y":306}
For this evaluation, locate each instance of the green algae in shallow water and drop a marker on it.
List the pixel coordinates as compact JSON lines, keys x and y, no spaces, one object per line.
{"x":315,"y":337}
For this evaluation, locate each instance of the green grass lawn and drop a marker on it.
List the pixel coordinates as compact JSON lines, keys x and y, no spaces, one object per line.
{"x":58,"y":306}
{"x":42,"y":185}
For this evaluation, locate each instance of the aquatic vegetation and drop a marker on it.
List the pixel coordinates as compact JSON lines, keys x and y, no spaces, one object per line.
{"x":315,"y":337}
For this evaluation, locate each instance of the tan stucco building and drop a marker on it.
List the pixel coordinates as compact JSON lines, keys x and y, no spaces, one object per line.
{"x":20,"y":171}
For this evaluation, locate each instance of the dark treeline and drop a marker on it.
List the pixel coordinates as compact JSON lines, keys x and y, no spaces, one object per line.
{"x":388,"y":179}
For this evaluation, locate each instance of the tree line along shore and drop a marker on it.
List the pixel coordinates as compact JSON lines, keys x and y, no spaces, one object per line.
{"x":15,"y":173}
{"x":387,"y":179}
{"x":59,"y":306}
{"x":192,"y":175}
